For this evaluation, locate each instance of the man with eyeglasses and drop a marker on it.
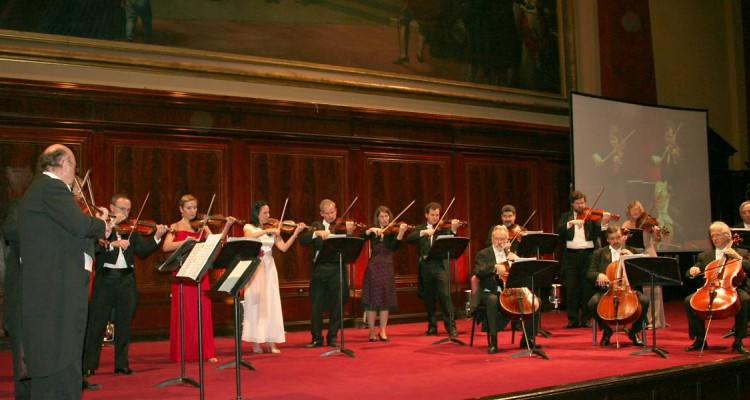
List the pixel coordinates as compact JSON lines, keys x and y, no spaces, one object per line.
{"x":721,"y":239}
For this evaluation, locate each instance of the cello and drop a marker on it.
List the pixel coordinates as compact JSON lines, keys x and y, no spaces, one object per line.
{"x":718,"y":298}
{"x":516,"y":303}
{"x":619,"y":305}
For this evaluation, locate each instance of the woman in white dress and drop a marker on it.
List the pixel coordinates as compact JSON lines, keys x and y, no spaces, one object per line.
{"x":263,"y":320}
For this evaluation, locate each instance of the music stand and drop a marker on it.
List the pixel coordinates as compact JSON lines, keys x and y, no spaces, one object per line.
{"x":635,"y":239}
{"x":534,"y":244}
{"x":343,"y":250}
{"x":174,"y":263}
{"x":745,"y":235}
{"x":653,"y":271}
{"x":447,"y":248}
{"x":240,"y":267}
{"x":529,"y":274}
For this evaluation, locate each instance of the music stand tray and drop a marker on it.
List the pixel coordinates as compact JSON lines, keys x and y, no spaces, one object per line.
{"x":644,"y":271}
{"x":635,"y":239}
{"x":174,"y":263}
{"x":530,"y":274}
{"x":537,"y":243}
{"x":447,"y":248}
{"x":344,"y":250}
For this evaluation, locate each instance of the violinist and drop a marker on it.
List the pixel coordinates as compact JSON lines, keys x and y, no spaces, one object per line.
{"x":434,"y":276}
{"x":490,"y":266}
{"x":56,"y":243}
{"x":181,"y":231}
{"x":263,"y":321}
{"x":379,"y":286}
{"x":721,"y":240}
{"x":325,"y":284}
{"x":745,"y":215}
{"x":637,"y":218}
{"x":600,"y":260}
{"x":581,"y":233}
{"x":115,"y":288}
{"x":508,"y":218}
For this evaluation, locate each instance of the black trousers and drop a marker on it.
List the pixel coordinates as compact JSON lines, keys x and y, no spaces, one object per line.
{"x":578,"y":290}
{"x":697,"y":327}
{"x":65,"y":384}
{"x":435,"y":280}
{"x":112,"y":288}
{"x":637,"y":324}
{"x":325,"y":287}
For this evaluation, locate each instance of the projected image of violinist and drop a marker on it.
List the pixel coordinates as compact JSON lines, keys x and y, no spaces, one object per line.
{"x":669,"y":159}
{"x":725,"y":292}
{"x":616,"y":151}
{"x":664,"y":211}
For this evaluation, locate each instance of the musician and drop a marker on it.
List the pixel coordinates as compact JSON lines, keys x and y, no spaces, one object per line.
{"x":600,"y":260}
{"x":508,"y":217}
{"x":114,"y":287}
{"x":434,"y":276}
{"x":491,"y":265}
{"x":57,"y":248}
{"x":745,"y":215}
{"x":721,"y":238}
{"x":581,"y":239}
{"x":325,"y":282}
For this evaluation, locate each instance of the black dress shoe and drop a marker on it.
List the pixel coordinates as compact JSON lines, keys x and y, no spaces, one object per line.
{"x":124,"y":371}
{"x":570,"y":325}
{"x":737,"y":347}
{"x":383,"y":339}
{"x":431,"y":332}
{"x":492,"y":349}
{"x":696,"y":346}
{"x":90,"y":386}
{"x":88,"y":373}
{"x":313,"y":345}
{"x":333,"y":343}
{"x":635,"y":338}
{"x":606,"y":335}
{"x":586,"y":325}
{"x":532,"y":344}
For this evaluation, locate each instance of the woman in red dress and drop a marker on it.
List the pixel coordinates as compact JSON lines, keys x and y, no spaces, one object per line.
{"x":181,"y":231}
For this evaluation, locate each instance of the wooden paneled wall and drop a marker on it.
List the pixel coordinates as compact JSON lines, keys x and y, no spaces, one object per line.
{"x":242,"y":150}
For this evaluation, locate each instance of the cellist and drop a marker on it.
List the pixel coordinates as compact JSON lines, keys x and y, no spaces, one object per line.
{"x":721,"y":238}
{"x":600,"y":260}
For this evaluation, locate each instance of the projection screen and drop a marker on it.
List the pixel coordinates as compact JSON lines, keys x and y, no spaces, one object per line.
{"x":658,"y":155}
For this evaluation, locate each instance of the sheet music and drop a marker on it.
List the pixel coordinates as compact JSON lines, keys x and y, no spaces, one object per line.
{"x":198,"y":257}
{"x":234,"y":276}
{"x":242,"y":238}
{"x":445,"y":237}
{"x":521,"y":259}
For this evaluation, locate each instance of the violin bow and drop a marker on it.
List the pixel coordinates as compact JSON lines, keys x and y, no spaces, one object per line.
{"x":619,"y":145}
{"x":400,"y":214}
{"x":138,"y":218}
{"x":283,"y":211}
{"x":586,"y":217}
{"x":81,"y":183}
{"x":350,"y":207}
{"x":442,"y":217}
{"x":523,"y":226}
{"x":208,"y":214}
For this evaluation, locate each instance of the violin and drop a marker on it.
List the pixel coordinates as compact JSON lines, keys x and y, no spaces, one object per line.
{"x":516,"y":232}
{"x":619,"y":305}
{"x":339,"y":226}
{"x":718,"y":298}
{"x":212,"y":221}
{"x":595,"y":215}
{"x":287,"y":226}
{"x":143,"y":227}
{"x":396,"y":227}
{"x":648,"y":223}
{"x":447,"y":224}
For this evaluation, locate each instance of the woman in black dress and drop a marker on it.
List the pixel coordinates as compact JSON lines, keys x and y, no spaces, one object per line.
{"x":379,"y":287}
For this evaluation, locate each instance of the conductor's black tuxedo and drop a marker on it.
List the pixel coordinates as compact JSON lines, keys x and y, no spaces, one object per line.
{"x":114,"y":287}
{"x":54,"y":234}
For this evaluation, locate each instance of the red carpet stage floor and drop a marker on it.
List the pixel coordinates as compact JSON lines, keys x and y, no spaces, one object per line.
{"x":409,"y":366}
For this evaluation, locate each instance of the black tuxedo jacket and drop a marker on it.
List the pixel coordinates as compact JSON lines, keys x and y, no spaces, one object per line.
{"x":54,"y":234}
{"x":139,"y":246}
{"x":484,"y":269}
{"x":600,"y":260}
{"x":425,"y":243}
{"x":708,"y":256}
{"x":591,"y":229}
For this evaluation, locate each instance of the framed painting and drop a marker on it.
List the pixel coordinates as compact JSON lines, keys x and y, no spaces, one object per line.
{"x":513,"y":52}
